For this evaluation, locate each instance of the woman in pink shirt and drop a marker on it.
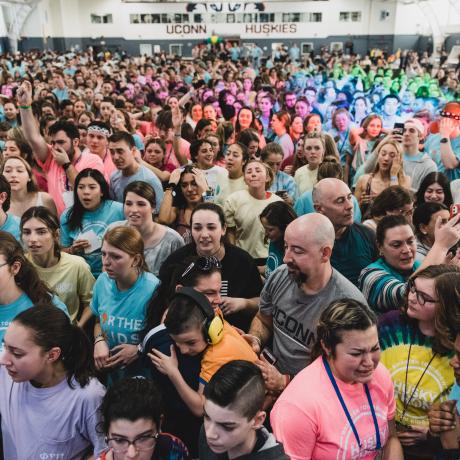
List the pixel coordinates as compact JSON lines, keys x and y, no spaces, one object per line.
{"x":342,"y":405}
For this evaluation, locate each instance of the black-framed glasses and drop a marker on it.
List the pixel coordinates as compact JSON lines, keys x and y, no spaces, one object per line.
{"x":421,"y":297}
{"x":141,"y":443}
{"x":203,"y":264}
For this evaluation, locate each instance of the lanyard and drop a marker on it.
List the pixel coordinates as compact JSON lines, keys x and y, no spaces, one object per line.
{"x":347,"y":413}
{"x":406,"y":403}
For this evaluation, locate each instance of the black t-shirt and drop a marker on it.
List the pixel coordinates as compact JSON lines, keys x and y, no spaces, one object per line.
{"x":240,"y":277}
{"x":355,"y":250}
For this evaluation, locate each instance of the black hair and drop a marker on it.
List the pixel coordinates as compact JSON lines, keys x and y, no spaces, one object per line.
{"x":237,"y":385}
{"x":434,"y":178}
{"x":201,"y":124}
{"x":164,"y":119}
{"x":50,"y":328}
{"x":183,"y":315}
{"x":195,"y":147}
{"x":76,"y":212}
{"x":131,"y":399}
{"x":386,"y":223}
{"x":123,"y":136}
{"x":5,"y":187}
{"x":422,"y":216}
{"x":279,"y":214}
{"x":69,"y":128}
{"x":179,"y":200}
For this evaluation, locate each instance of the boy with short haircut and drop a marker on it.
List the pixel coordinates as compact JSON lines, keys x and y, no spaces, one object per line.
{"x":122,"y":149}
{"x":197,"y":330}
{"x":233,"y":416}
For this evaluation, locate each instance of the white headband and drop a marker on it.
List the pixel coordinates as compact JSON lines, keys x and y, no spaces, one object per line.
{"x":99,"y":130}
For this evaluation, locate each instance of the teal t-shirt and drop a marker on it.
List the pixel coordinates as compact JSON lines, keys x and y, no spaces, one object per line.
{"x":11,"y":225}
{"x":122,"y":313}
{"x":274,"y":259}
{"x":9,"y":311}
{"x":97,"y":221}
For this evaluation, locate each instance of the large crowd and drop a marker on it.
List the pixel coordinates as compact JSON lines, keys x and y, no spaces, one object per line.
{"x":236,"y":257}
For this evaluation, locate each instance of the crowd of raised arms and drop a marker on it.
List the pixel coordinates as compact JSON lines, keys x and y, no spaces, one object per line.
{"x":235,"y":257}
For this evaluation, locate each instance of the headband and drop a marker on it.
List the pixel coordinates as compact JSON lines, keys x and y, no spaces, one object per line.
{"x":99,"y":130}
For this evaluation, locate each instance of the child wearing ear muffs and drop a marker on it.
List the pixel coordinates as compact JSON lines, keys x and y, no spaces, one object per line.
{"x":197,"y":329}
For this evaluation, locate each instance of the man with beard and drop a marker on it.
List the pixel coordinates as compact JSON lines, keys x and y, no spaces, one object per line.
{"x":63,"y":159}
{"x":294,"y":297}
{"x":354,"y":247}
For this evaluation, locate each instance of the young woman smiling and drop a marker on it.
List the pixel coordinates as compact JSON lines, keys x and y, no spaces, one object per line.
{"x":242,"y":210}
{"x":185,"y":190}
{"x":24,"y":191}
{"x":139,"y":204}
{"x":49,"y":397}
{"x":84,"y":223}
{"x":68,"y":275}
{"x":154,"y":155}
{"x":241,"y":283}
{"x":120,"y":301}
{"x":345,"y":383}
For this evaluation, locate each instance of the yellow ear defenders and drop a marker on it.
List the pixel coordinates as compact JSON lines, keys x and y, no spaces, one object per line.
{"x":214,"y":324}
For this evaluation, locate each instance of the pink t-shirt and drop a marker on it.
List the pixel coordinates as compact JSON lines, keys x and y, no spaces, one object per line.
{"x":109,"y":167}
{"x":184,"y":150}
{"x":57,"y":178}
{"x":310,"y":422}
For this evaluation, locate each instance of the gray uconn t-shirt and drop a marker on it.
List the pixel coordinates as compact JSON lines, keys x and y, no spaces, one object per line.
{"x":296,"y":314}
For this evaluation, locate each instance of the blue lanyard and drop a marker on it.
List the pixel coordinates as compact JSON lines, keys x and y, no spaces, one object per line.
{"x":345,"y":409}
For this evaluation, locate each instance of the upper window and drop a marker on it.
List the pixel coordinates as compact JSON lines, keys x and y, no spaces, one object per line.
{"x":101,"y":19}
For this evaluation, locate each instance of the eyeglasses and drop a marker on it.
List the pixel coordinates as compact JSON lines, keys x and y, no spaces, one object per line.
{"x":406,"y":212}
{"x":203,"y":264}
{"x":421,"y":297}
{"x":2,"y":265}
{"x":142,"y":443}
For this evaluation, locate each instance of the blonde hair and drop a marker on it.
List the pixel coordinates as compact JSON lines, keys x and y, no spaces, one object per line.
{"x":128,"y":240}
{"x":399,"y":152}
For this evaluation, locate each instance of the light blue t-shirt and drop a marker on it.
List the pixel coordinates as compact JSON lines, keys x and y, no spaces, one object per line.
{"x":122,"y":313}
{"x":455,"y":395}
{"x":9,"y":311}
{"x":118,"y":183}
{"x":304,"y":205}
{"x":97,"y":221}
{"x":11,"y":225}
{"x":433,"y":148}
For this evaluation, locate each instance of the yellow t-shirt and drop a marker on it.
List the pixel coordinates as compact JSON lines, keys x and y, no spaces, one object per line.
{"x":70,"y":279}
{"x":231,"y":347}
{"x":242,"y":212}
{"x":227,"y":187}
{"x":305,"y":179}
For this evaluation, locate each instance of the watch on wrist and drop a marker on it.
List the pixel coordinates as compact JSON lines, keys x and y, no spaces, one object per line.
{"x":66,"y":166}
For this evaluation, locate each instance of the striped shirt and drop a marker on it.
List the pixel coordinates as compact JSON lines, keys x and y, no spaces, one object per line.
{"x":383,"y":286}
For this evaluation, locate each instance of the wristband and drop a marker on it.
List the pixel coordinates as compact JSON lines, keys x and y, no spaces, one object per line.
{"x":66,"y":166}
{"x":177,"y":135}
{"x":444,"y":140}
{"x":99,"y":340}
{"x":25,"y":107}
{"x":258,"y":341}
{"x":393,"y":178}
{"x":99,"y":336}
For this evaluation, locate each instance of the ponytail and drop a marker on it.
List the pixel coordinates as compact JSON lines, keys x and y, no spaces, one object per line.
{"x":51,"y":327}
